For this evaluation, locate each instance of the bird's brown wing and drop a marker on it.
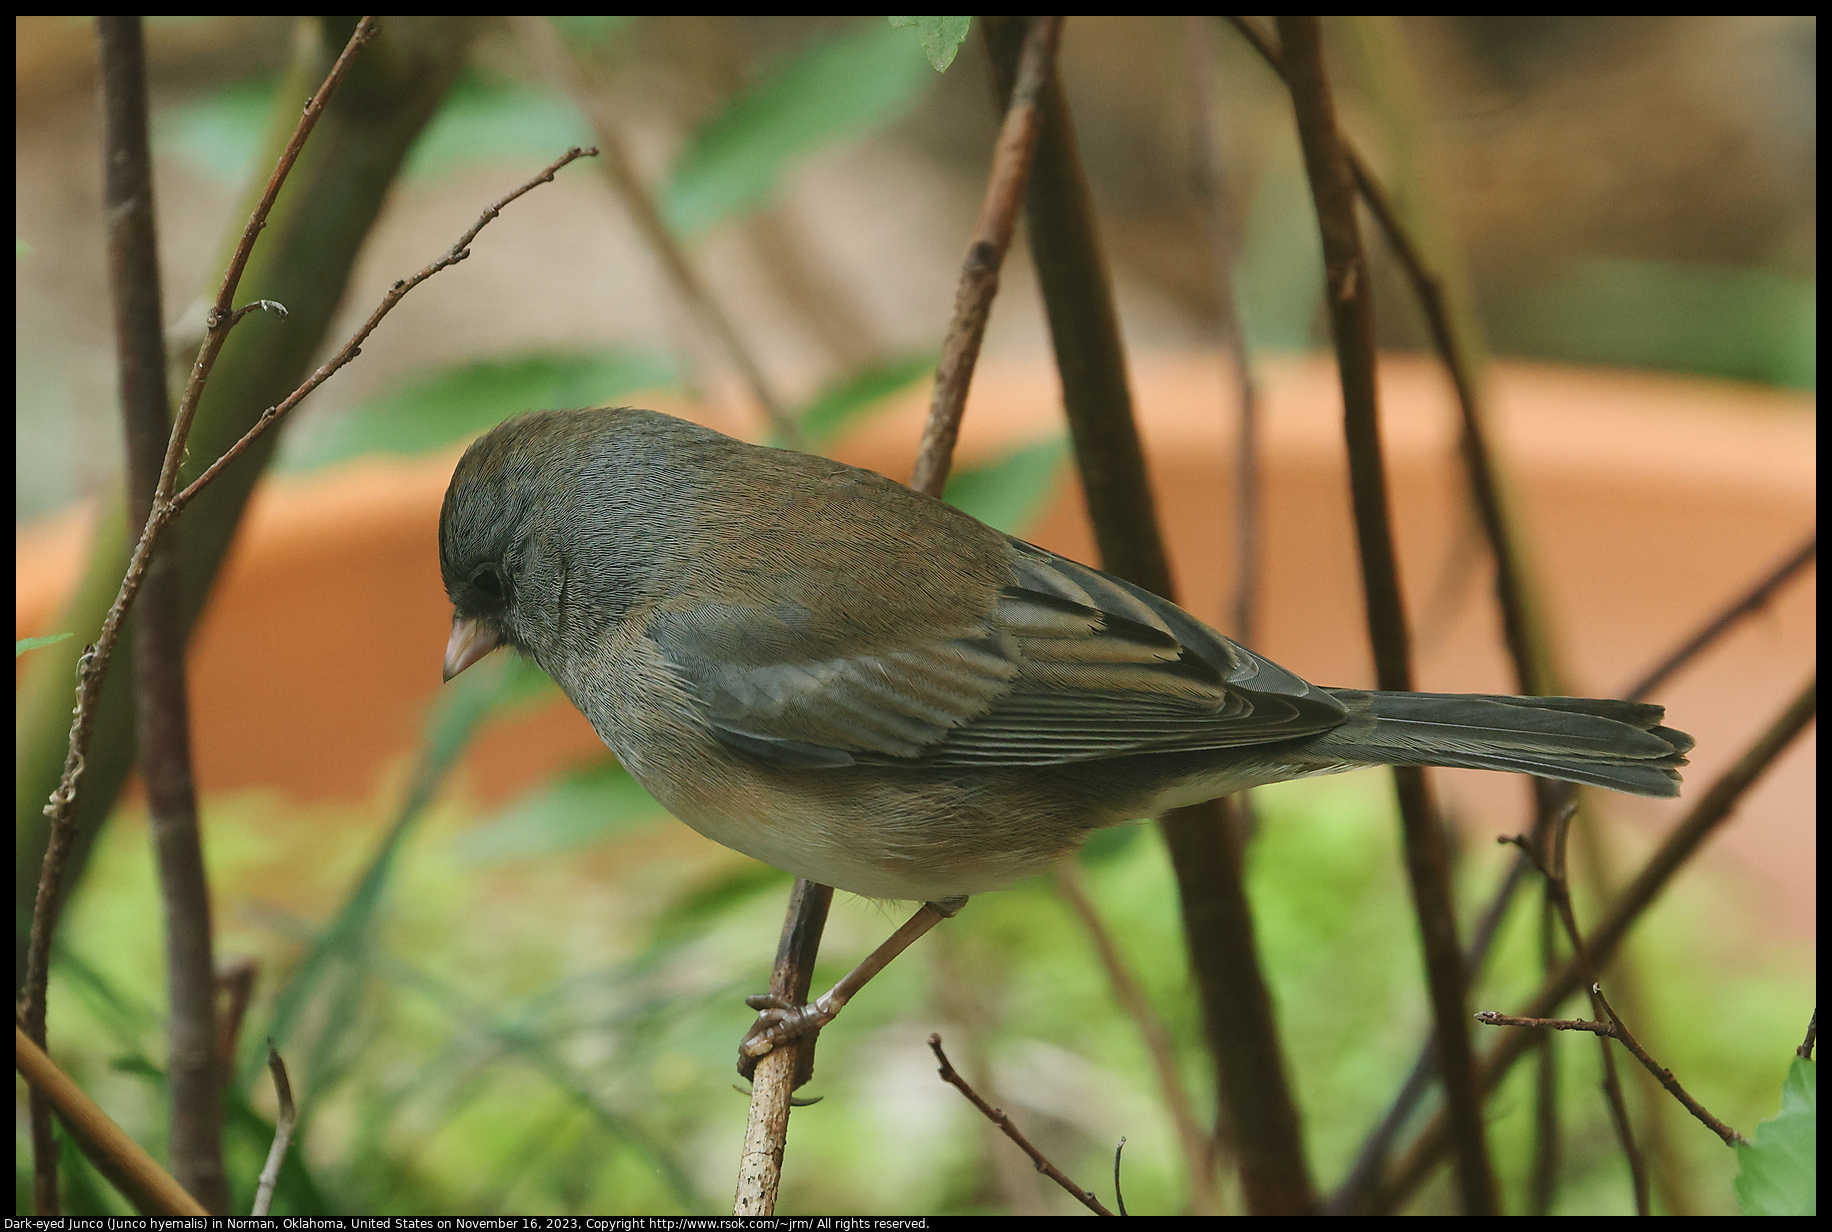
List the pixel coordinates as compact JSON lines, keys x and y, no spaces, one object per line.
{"x":1063,"y":664}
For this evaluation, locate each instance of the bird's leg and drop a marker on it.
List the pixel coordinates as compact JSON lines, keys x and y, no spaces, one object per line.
{"x":778,"y":1021}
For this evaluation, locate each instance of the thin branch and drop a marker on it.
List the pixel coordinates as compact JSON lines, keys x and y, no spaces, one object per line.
{"x":1751,"y":601}
{"x":1242,"y":1034}
{"x":1198,"y":1155}
{"x":1730,"y":1136}
{"x":1554,"y":867}
{"x":997,"y":1117}
{"x":773,"y":1080}
{"x":92,"y":666}
{"x":555,"y":62}
{"x":1805,"y":1051}
{"x":1711,"y":811}
{"x":149,"y":1187}
{"x":283,"y":1133}
{"x":1352,"y":322}
{"x":351,"y":349}
{"x":1616,"y":1030}
{"x":162,"y":719}
{"x":789,"y":1064}
{"x":979,"y":282}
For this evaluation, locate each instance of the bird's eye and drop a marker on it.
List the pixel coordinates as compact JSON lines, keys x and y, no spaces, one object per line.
{"x":490,"y":582}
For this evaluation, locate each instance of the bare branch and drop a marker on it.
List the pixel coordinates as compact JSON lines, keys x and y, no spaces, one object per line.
{"x":283,"y":1133}
{"x":149,"y":1187}
{"x":1005,"y":188}
{"x":997,"y":1117}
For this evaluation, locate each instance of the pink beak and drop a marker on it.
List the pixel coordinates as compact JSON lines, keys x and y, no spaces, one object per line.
{"x":471,"y":640}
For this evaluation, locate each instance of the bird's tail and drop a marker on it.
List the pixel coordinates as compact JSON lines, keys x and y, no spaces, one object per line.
{"x":1603,"y":743}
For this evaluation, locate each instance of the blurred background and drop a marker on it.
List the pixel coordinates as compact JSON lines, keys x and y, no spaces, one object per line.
{"x":507,"y":983}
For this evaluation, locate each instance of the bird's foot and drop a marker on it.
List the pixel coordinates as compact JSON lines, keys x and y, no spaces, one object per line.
{"x":778,"y":1022}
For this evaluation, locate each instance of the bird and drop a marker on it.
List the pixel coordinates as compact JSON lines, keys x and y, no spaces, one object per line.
{"x":859,"y":684}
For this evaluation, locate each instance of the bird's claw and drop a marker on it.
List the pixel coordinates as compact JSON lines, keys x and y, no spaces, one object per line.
{"x":778,"y":1022}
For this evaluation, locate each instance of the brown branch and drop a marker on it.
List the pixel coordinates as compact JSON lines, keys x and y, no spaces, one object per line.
{"x":1730,"y":1136}
{"x":92,"y":667}
{"x":162,"y":711}
{"x":553,"y":61}
{"x":1351,"y":313}
{"x":789,"y":1064}
{"x":1005,"y":188}
{"x":997,"y":1117}
{"x":352,"y":348}
{"x":1748,"y":603}
{"x":1706,"y":816}
{"x":1084,"y":330}
{"x":1554,"y":867}
{"x":283,"y":1133}
{"x":118,"y":1157}
{"x":1198,"y":1154}
{"x":1615,"y":1029}
{"x":1805,"y":1051}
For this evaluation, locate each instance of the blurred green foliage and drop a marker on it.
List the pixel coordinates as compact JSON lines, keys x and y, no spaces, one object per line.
{"x":553,"y":1032}
{"x":838,"y":87}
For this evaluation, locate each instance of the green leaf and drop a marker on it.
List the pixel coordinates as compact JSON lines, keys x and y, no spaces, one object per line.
{"x":461,"y":402}
{"x":835,"y":88}
{"x":940,"y":37}
{"x":33,"y":643}
{"x":1009,"y":494}
{"x":220,"y":132}
{"x":1777,"y":1174}
{"x":572,"y":810}
{"x":839,"y":405}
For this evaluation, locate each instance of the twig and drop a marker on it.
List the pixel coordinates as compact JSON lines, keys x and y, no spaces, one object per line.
{"x":1084,"y":329}
{"x":1805,"y":1051}
{"x":1555,"y":868}
{"x":997,"y":1117}
{"x":1119,"y":1196}
{"x":351,"y":349}
{"x":1730,"y":1136}
{"x":92,"y":667}
{"x":778,"y":1072}
{"x":1198,"y":1157}
{"x":283,"y":1133}
{"x":979,"y":282}
{"x":235,"y":981}
{"x":1748,"y":603}
{"x":1352,"y":322}
{"x":149,"y":1187}
{"x":1706,"y":816}
{"x":554,"y":61}
{"x":1616,"y":1030}
{"x":162,"y":721}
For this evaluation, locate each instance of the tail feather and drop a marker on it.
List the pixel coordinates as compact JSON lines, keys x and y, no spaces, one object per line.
{"x":1596,"y":741}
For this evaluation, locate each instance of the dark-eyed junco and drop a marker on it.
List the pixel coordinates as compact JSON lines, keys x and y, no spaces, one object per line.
{"x":818,"y":667}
